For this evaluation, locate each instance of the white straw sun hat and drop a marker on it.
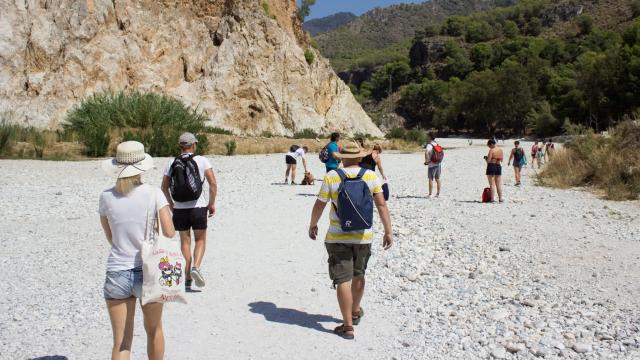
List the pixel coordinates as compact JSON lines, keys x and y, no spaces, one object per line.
{"x":130,"y":160}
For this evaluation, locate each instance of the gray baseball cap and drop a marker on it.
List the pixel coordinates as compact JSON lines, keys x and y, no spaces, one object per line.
{"x":187,"y":139}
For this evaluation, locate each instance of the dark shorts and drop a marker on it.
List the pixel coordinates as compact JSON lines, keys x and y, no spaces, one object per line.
{"x":518,"y":165}
{"x":494,"y":169}
{"x":347,"y":261}
{"x":434,"y":172}
{"x":187,"y":219}
{"x":290,"y":160}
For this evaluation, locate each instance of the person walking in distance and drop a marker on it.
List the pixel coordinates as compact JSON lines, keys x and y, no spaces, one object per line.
{"x":333,"y":149}
{"x":519,"y":160}
{"x":182,"y":184}
{"x":352,"y":191}
{"x":494,"y":169}
{"x":534,"y":154}
{"x":295,"y":152}
{"x":433,"y":159}
{"x":124,"y":212}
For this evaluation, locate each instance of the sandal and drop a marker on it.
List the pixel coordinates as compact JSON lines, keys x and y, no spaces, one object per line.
{"x":343,"y":331}
{"x":356,"y":316}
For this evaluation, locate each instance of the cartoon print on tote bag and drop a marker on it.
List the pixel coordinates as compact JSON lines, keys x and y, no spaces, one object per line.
{"x":170,"y":275}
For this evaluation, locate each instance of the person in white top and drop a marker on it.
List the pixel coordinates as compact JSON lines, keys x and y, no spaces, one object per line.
{"x":181,"y":181}
{"x":434,"y":167}
{"x":295,"y":152}
{"x":124,"y":215}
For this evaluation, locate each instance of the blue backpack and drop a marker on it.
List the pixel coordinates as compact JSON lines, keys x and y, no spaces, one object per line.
{"x":355,"y":202}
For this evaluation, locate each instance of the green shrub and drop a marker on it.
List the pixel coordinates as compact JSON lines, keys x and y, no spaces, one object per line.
{"x":397,"y":133}
{"x":7,"y":134}
{"x":155,"y":120}
{"x":585,"y":23}
{"x":231,"y":147}
{"x":267,"y":134}
{"x":635,"y":8}
{"x":309,"y":56}
{"x":416,"y":136}
{"x":265,"y":7}
{"x":605,"y":163}
{"x":216,"y":130}
{"x":305,"y":134}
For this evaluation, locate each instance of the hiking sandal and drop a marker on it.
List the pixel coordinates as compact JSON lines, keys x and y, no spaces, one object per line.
{"x":343,"y":331}
{"x":356,"y":316}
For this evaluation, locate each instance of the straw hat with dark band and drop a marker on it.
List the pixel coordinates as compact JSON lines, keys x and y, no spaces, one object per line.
{"x":351,"y":150}
{"x":130,"y":160}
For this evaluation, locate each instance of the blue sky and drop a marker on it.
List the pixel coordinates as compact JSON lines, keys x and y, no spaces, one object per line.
{"x":328,"y":7}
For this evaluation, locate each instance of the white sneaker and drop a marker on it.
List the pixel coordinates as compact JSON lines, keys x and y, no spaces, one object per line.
{"x":197,"y":277}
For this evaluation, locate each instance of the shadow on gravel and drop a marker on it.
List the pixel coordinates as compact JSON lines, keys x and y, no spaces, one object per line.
{"x":51,"y":357}
{"x":410,"y":197}
{"x":291,"y":316}
{"x":307,"y":195}
{"x":469,"y":201}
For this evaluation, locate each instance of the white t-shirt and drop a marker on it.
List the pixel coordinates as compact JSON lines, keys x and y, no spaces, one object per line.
{"x":429,"y":152}
{"x":203,"y":201}
{"x":297,"y":154}
{"x":127,"y":215}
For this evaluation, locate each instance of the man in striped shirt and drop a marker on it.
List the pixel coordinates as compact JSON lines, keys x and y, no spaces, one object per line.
{"x":349,"y":251}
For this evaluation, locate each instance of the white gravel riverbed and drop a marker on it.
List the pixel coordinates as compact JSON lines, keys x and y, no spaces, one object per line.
{"x":550,"y":273}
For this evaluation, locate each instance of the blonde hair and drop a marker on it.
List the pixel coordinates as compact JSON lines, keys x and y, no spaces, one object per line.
{"x":124,"y":185}
{"x":377,"y":148}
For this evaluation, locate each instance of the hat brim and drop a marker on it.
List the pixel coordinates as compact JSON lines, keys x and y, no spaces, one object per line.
{"x":112,"y":167}
{"x":354,"y":156}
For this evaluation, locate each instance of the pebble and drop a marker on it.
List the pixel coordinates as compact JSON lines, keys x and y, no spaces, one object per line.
{"x":582,"y":348}
{"x":504,"y":248}
{"x":514,"y":347}
{"x":498,"y":353}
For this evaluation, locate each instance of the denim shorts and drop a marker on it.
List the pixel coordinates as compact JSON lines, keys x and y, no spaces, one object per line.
{"x":123,"y":284}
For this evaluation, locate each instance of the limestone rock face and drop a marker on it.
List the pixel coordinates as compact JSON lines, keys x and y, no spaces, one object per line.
{"x":239,"y":61}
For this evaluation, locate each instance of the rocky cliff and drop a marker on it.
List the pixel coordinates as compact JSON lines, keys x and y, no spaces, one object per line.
{"x":242,"y":62}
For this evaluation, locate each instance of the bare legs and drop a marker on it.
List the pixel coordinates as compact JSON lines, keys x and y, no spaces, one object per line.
{"x":437,"y":186}
{"x":518,"y":173}
{"x":153,"y":326}
{"x":291,"y":169}
{"x":495,"y":183}
{"x":198,"y":251}
{"x":349,"y":297}
{"x":122,"y":313}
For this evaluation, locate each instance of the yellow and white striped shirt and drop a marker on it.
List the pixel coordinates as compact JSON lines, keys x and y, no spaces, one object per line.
{"x":329,"y":190}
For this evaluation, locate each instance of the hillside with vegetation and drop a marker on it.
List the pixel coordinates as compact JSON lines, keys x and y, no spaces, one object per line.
{"x":328,"y":23}
{"x":369,"y":35}
{"x":533,"y":67}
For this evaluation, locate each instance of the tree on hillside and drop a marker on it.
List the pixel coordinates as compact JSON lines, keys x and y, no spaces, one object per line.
{"x":305,"y":8}
{"x":420,"y":102}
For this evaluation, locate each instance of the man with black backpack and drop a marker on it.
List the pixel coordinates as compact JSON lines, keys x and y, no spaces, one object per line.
{"x":433,"y":157}
{"x":352,"y":192}
{"x":182,"y":184}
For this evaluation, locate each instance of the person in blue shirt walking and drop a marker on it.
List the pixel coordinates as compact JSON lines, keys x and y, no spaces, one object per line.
{"x":334,"y":153}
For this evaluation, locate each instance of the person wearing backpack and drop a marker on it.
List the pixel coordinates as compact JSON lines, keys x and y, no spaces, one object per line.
{"x":519,"y":160}
{"x":433,"y":157}
{"x":295,"y":152}
{"x":352,"y":191}
{"x":182,"y":184}
{"x":330,"y":154}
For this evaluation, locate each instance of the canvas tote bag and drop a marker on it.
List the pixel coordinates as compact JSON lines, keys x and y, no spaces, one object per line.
{"x":162,"y":262}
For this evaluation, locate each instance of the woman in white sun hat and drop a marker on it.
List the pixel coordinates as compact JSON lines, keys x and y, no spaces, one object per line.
{"x":124,"y":211}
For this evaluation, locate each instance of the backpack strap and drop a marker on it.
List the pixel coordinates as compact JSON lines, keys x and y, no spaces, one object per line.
{"x":361,"y":173}
{"x":341,"y":173}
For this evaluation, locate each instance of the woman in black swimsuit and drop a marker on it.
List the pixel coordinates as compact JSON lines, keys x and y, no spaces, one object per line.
{"x":371,"y":161}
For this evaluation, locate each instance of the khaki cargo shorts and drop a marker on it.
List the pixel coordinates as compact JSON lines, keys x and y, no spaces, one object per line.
{"x":347,"y":261}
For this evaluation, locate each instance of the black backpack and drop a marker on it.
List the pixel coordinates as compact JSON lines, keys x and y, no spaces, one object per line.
{"x":186,"y":184}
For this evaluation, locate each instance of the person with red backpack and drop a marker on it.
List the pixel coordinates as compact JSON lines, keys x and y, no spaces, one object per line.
{"x":519,"y":160}
{"x":433,"y":157}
